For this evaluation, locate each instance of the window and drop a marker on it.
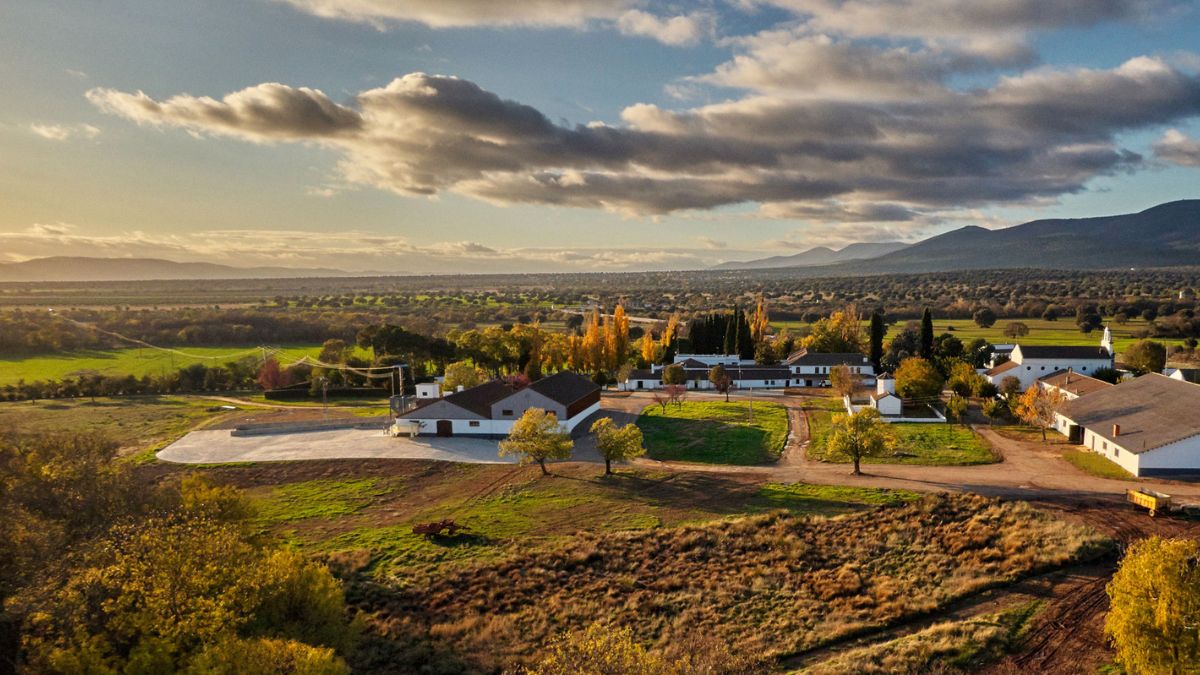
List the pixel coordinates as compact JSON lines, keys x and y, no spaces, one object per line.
{"x":1105,"y":445}
{"x":506,"y":413}
{"x":474,"y":423}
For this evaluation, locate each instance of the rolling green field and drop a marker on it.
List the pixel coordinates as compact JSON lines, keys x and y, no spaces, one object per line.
{"x":134,"y":361}
{"x":715,"y":432}
{"x":914,"y":443}
{"x":141,"y":425}
{"x":1041,"y":332}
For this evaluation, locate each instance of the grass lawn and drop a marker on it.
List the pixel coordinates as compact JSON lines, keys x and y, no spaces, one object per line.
{"x":131,"y":361}
{"x":365,"y":510}
{"x":142,"y":425}
{"x":1041,"y":332}
{"x":715,"y":432}
{"x":1097,"y":465}
{"x":1028,"y":434}
{"x":931,"y":444}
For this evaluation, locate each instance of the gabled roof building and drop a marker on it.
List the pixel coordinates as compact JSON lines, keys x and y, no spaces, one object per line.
{"x":1150,"y":426}
{"x":491,"y":408}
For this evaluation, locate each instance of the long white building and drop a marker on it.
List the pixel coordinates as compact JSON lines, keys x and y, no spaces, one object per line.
{"x":1150,"y":426}
{"x":1030,"y":363}
{"x":801,"y":369}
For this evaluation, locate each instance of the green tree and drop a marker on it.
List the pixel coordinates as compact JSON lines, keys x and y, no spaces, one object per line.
{"x":151,"y":597}
{"x":1110,"y":375}
{"x":956,"y":409}
{"x":1010,"y":387}
{"x":1016,"y":329}
{"x":334,"y":351}
{"x":720,"y":379}
{"x":267,"y":656}
{"x":993,"y":409}
{"x":878,"y":330}
{"x":984,"y":317}
{"x":926,"y":334}
{"x":617,"y":443}
{"x":842,"y":380}
{"x":1146,"y":356}
{"x":856,"y":436}
{"x":463,"y":374}
{"x":674,"y":374}
{"x":916,"y":378}
{"x":537,"y":437}
{"x":1155,"y":607}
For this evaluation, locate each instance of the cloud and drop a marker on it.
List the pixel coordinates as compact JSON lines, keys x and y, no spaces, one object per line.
{"x":265,"y":112}
{"x":712,"y":244}
{"x":1035,"y":135}
{"x":957,"y":19}
{"x":64,"y":132}
{"x":351,"y":251}
{"x":466,"y":13}
{"x":1177,"y":148}
{"x":680,"y":31}
{"x":796,"y":63}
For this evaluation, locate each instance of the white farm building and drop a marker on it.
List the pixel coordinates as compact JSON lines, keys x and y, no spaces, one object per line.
{"x":1030,"y":363}
{"x":1149,"y":426}
{"x":801,"y":369}
{"x":491,"y":408}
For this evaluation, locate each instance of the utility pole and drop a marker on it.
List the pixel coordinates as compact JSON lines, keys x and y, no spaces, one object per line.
{"x":324,"y":398}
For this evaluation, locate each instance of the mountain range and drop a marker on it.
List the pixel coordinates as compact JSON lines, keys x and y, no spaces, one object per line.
{"x":1162,"y":236}
{"x":75,"y":269}
{"x":821,"y":255}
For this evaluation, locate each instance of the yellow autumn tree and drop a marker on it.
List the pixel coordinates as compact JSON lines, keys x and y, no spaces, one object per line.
{"x":840,"y":333}
{"x":668,"y":334}
{"x":649,"y":348}
{"x":1036,"y":407}
{"x":593,"y":344}
{"x":760,"y":322}
{"x":616,"y":338}
{"x":1155,"y":597}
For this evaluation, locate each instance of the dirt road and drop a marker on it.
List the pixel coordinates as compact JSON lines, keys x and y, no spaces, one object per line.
{"x":1030,"y":470}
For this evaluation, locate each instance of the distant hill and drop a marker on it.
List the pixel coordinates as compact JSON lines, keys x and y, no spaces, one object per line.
{"x":821,"y":255}
{"x":1166,"y":235}
{"x":1161,"y":236}
{"x":62,"y":268}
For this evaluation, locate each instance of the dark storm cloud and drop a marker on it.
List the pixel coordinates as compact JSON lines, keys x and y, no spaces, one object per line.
{"x":1042,"y":133}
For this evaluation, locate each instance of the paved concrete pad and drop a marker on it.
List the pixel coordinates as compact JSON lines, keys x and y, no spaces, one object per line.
{"x":219,"y":446}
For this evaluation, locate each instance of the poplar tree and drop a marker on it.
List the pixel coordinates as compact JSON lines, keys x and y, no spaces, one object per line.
{"x":926,"y":334}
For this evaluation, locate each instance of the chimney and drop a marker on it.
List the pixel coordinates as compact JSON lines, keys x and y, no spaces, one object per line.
{"x":1116,"y":430}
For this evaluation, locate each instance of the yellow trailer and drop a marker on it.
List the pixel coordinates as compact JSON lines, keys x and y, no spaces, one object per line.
{"x":1149,"y":499}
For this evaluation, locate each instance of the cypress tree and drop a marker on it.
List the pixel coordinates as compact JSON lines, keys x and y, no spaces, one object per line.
{"x":927,"y":334}
{"x":745,"y":346}
{"x":877,"y":331}
{"x":730,"y":346}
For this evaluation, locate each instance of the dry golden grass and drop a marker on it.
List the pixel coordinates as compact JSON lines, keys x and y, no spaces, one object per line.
{"x":772,"y":585}
{"x":951,"y":647}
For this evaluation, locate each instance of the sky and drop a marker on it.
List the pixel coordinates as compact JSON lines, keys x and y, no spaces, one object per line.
{"x":449,"y":136}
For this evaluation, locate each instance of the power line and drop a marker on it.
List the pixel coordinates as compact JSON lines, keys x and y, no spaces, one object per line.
{"x":274,"y":353}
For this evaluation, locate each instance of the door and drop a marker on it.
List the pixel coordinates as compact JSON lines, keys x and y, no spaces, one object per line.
{"x":445,"y":428}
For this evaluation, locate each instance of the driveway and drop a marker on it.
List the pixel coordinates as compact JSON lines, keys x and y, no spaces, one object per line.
{"x":1030,"y":470}
{"x":219,"y":446}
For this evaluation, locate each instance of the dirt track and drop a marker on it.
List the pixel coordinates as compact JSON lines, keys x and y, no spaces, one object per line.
{"x":1068,"y":635}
